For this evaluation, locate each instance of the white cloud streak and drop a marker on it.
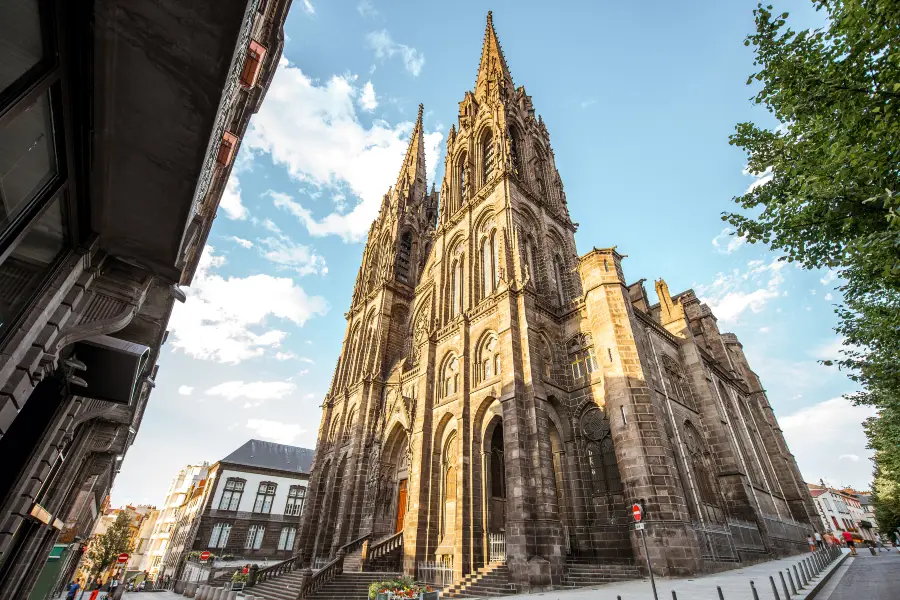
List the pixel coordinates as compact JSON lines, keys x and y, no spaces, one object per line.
{"x":276,"y":431}
{"x":732,"y":294}
{"x":231,"y":199}
{"x":385,"y":47}
{"x":727,"y":241}
{"x":185,"y":390}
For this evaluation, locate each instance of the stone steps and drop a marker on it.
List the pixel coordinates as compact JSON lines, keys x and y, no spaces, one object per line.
{"x":489,"y":581}
{"x":580,"y":573}
{"x":350,"y":586}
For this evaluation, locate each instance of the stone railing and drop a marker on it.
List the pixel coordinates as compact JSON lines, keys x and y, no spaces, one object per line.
{"x":381,"y":550}
{"x":315,"y":581}
{"x":276,"y":570}
{"x":354,"y":545}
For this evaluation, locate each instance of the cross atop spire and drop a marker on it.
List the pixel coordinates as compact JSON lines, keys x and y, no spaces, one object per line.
{"x":492,"y":62}
{"x":414,"y":162}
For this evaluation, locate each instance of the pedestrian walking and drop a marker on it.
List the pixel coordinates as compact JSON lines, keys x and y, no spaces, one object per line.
{"x":879,"y":543}
{"x":73,"y":590}
{"x":812,"y":543}
{"x":820,"y":543}
{"x":850,"y":543}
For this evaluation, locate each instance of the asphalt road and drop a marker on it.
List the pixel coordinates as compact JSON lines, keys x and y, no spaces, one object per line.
{"x":865,"y":577}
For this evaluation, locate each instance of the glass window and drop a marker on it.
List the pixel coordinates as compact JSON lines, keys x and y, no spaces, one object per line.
{"x":255,"y":537}
{"x":21,"y":42}
{"x":27,"y":159}
{"x":27,"y":266}
{"x":219,"y":537}
{"x":286,"y":540}
{"x":296,"y":496}
{"x":264,"y":497}
{"x":231,"y":496}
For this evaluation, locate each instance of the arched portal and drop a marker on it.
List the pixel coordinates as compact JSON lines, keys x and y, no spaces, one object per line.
{"x":562,"y":499}
{"x":391,"y":490}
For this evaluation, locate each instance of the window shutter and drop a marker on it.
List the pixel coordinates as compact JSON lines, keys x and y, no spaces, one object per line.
{"x":226,"y":149}
{"x":252,"y":64}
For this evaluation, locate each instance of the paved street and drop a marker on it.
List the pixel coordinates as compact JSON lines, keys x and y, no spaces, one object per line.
{"x":735,"y":585}
{"x":866,"y":577}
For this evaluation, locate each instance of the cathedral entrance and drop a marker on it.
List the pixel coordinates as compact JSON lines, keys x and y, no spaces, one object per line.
{"x":496,"y":488}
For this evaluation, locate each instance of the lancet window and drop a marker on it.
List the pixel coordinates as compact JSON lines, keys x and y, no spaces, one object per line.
{"x":601,"y":456}
{"x":558,"y":271}
{"x":450,"y":377}
{"x":582,"y":358}
{"x":677,"y":385}
{"x":698,"y":458}
{"x":489,"y":260}
{"x":489,"y":358}
{"x":456,"y":286}
{"x":487,"y":157}
{"x":404,"y":257}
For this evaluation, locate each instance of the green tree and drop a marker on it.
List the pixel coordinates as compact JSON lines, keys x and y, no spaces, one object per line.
{"x":833,"y":169}
{"x":106,"y":547}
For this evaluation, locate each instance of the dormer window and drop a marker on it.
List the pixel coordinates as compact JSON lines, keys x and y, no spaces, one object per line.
{"x":252,"y":64}
{"x":227,"y":148}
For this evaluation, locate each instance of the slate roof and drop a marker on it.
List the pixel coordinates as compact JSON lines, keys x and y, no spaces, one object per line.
{"x":269,"y":455}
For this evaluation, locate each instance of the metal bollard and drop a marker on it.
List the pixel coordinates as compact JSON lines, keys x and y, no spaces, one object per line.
{"x":797,"y":576}
{"x":774,"y":589}
{"x":784,"y":586}
{"x":807,"y":573}
{"x":674,"y":597}
{"x":721,"y":596}
{"x":791,"y":579}
{"x":753,"y":587}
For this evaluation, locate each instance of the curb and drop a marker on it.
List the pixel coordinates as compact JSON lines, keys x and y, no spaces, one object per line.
{"x":818,"y":587}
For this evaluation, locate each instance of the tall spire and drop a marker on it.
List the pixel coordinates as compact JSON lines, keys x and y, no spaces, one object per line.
{"x":414,"y":162}
{"x":491,"y":59}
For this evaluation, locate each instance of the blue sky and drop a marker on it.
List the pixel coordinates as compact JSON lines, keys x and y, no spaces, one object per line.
{"x":639,"y":99}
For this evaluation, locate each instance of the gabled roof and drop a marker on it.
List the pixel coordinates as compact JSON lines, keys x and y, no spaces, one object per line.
{"x":269,"y":455}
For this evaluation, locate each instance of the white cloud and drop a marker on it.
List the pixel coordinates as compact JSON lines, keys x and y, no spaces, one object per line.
{"x":309,"y":396}
{"x":830,"y":275}
{"x":303,"y":359}
{"x":366,"y":9}
{"x":231,"y":199}
{"x":836,"y":421}
{"x":731,"y":294}
{"x":276,"y":431}
{"x":226,"y":319}
{"x":764,"y":329}
{"x":589,"y":102}
{"x":761,"y":178}
{"x":385,"y":47}
{"x":256,"y":392}
{"x":241,"y":241}
{"x":853,"y":457}
{"x":284,"y":355}
{"x":367,"y":99}
{"x":313,"y":131}
{"x":731,"y":245}
{"x":308,"y":7}
{"x":828,"y":296}
{"x":284,"y":252}
{"x":185,"y":390}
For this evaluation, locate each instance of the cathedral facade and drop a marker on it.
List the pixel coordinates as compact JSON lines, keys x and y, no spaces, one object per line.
{"x":500,"y":397}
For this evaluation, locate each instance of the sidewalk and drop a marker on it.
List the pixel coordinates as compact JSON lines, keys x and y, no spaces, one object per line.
{"x":735,"y":585}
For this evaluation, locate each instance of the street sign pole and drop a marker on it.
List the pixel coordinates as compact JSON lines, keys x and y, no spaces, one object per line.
{"x":649,"y":566}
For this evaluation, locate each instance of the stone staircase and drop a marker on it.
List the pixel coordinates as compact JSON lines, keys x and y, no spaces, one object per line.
{"x":283,"y":587}
{"x":583,"y":573}
{"x":491,"y":580}
{"x":348,"y":586}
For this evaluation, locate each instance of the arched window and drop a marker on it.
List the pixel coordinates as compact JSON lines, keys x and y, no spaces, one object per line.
{"x":265,"y":496}
{"x":546,"y":355}
{"x":450,"y":377}
{"x":677,"y":385}
{"x":231,"y":494}
{"x":456,"y":286}
{"x":404,"y":256}
{"x":463,"y":180}
{"x":749,"y":462}
{"x":348,"y":428}
{"x":515,"y":157}
{"x":255,"y":537}
{"x":332,"y":433}
{"x":487,"y":157}
{"x":295,"y":499}
{"x":529,"y":258}
{"x":699,"y":463}
{"x":219,"y":537}
{"x":581,"y":355}
{"x":489,"y":261}
{"x":448,"y":467}
{"x":558,"y":271}
{"x":489,"y":358}
{"x":601,"y":456}
{"x":539,"y":177}
{"x":286,"y":540}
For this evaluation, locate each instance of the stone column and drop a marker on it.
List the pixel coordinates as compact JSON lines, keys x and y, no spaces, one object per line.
{"x":649,"y":473}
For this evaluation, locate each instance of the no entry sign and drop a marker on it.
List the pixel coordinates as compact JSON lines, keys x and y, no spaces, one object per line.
{"x":204,"y":556}
{"x":122,"y":558}
{"x":636,"y":511}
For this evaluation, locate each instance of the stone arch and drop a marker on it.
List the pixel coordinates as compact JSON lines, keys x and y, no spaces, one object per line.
{"x":392,"y":473}
{"x":404,"y":266}
{"x":487,"y":356}
{"x":704,"y":478}
{"x":556,"y":431}
{"x":743,"y":459}
{"x":516,"y":149}
{"x":450,"y":375}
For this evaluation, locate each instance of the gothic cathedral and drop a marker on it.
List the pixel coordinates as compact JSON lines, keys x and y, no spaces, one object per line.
{"x":500,"y":398}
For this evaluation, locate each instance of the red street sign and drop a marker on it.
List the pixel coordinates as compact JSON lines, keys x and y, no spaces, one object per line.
{"x":204,"y":556}
{"x":636,"y":511}
{"x":122,"y":559}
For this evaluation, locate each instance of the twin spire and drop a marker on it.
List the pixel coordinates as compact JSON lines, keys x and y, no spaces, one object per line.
{"x":492,"y":67}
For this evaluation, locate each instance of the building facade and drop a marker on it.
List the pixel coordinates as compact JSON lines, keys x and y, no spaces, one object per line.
{"x":119,"y":123}
{"x":840,"y":511}
{"x":249,"y":508}
{"x":180,"y":491}
{"x":500,"y":397}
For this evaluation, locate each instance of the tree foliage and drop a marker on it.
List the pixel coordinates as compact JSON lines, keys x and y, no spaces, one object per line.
{"x":106,"y":547}
{"x":831,"y":195}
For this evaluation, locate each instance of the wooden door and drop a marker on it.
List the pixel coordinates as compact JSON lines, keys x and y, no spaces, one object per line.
{"x":401,"y":505}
